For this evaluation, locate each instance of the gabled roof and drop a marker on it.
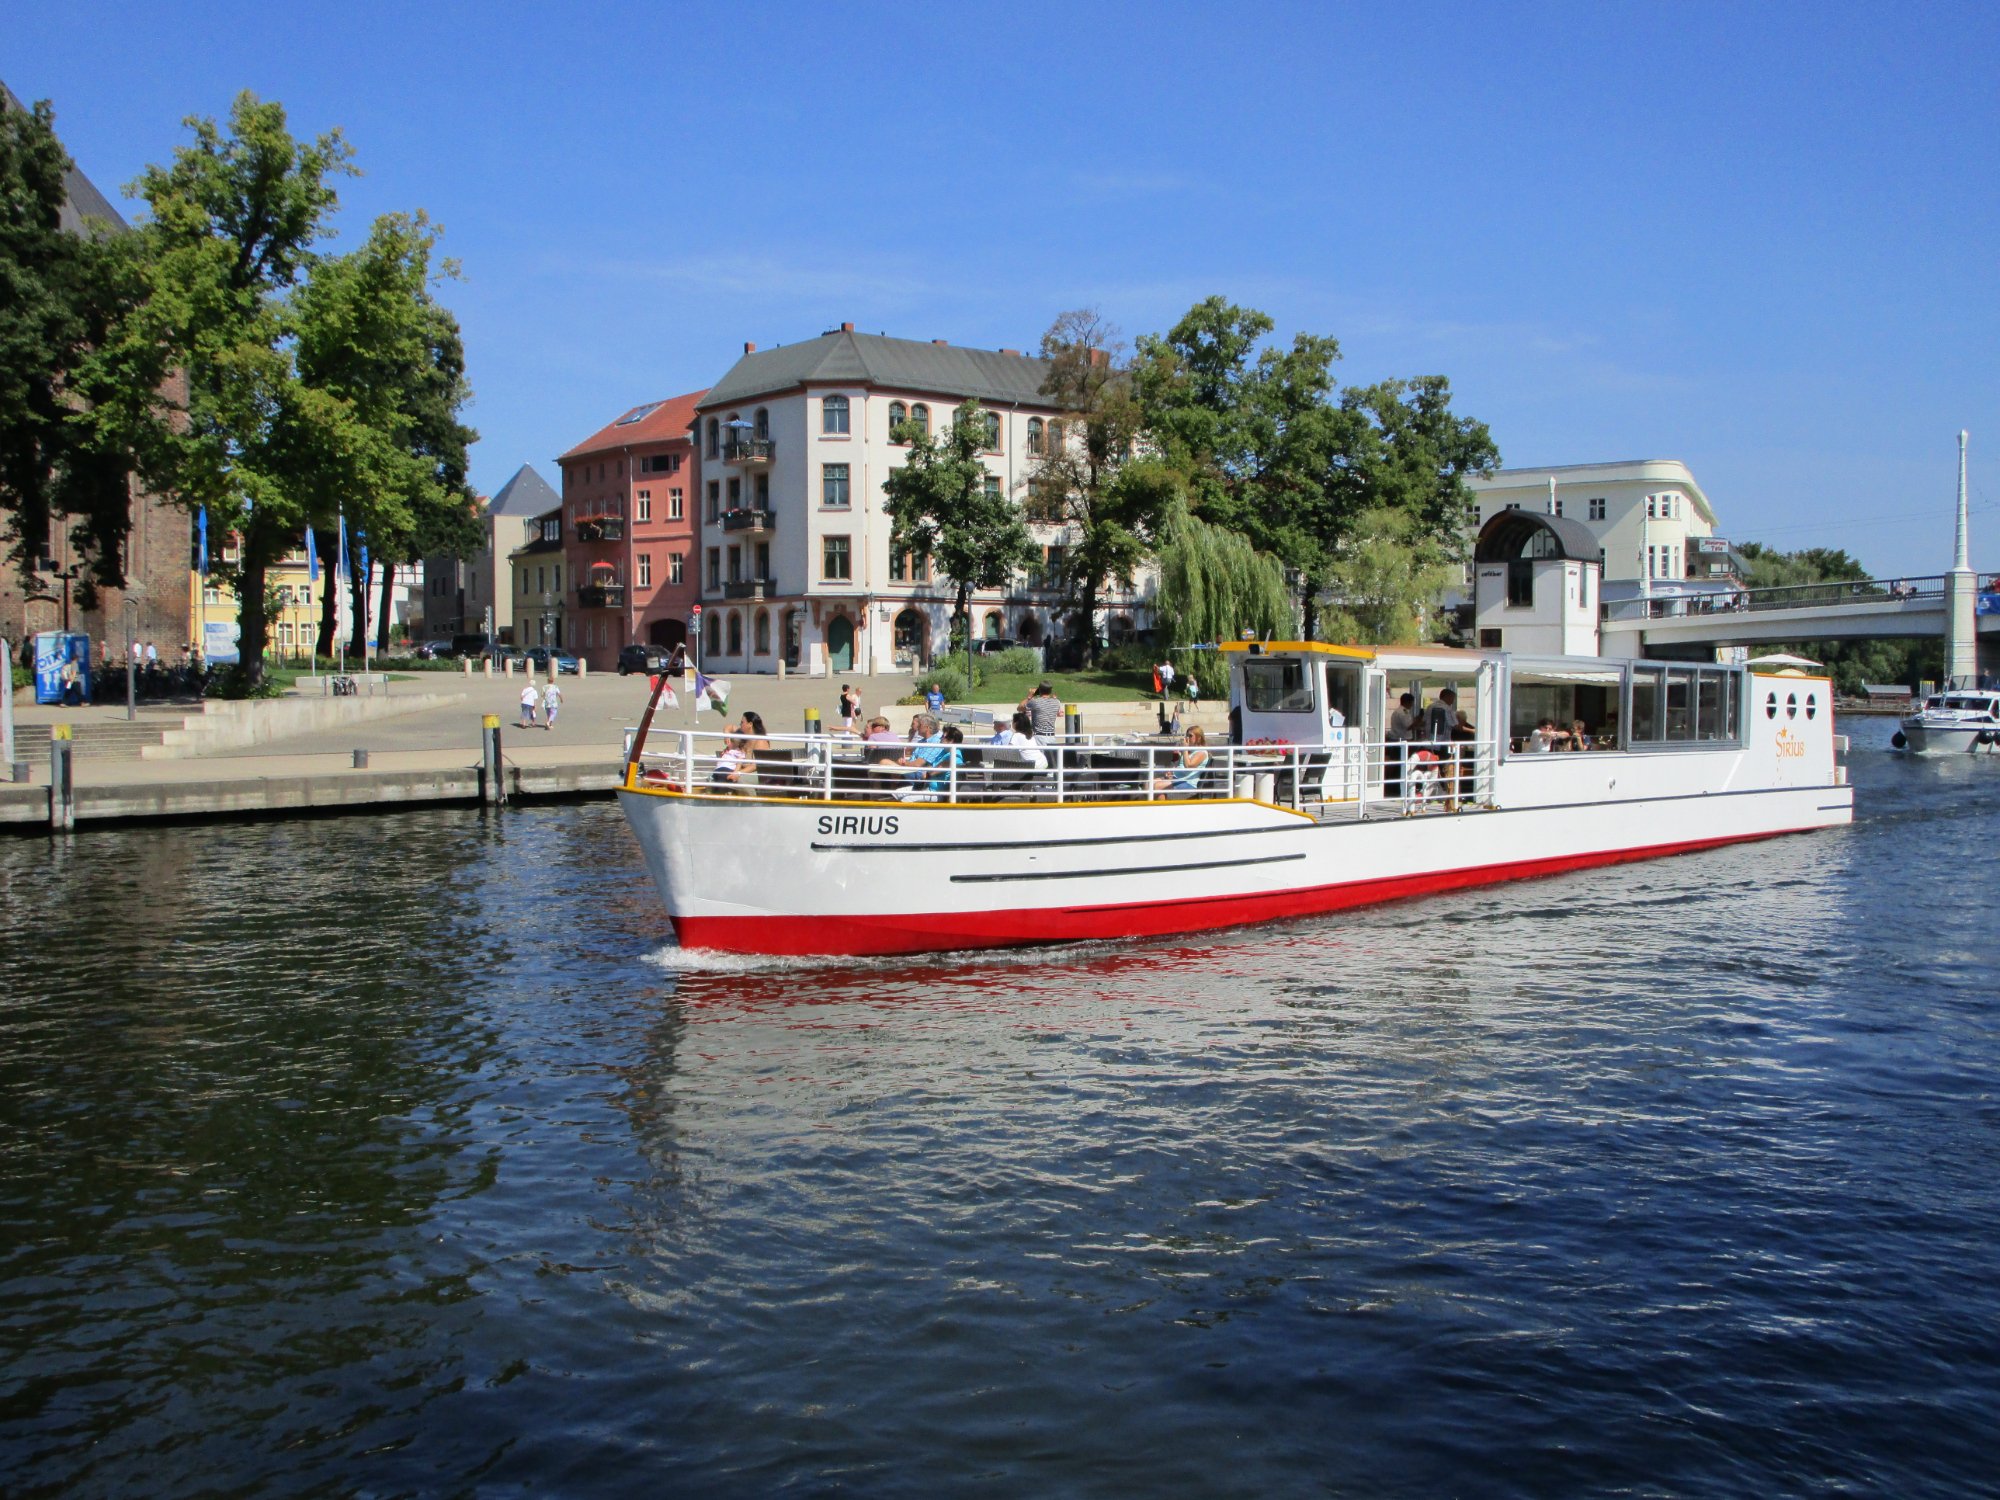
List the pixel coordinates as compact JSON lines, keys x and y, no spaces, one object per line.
{"x":844,"y":357}
{"x":85,"y":210}
{"x":526,"y":494}
{"x":649,"y":422}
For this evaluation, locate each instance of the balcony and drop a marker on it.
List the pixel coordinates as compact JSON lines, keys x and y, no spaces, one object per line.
{"x":746,"y":449}
{"x":601,"y":529}
{"x":748,"y":520}
{"x":749,"y":588}
{"x":601,"y":596}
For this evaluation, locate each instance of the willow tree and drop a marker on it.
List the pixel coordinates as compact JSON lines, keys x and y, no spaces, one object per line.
{"x":1214,"y":586}
{"x":1384,"y":583}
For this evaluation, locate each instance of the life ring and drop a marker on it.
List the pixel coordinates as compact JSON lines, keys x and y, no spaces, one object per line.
{"x":1897,"y":740}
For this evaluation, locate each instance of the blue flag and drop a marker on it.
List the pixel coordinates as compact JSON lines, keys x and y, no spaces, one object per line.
{"x":312,"y":557}
{"x":342,"y":569}
{"x":201,"y":531}
{"x":367,"y":578}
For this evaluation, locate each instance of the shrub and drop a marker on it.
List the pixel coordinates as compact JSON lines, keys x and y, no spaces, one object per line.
{"x":1130,"y":657}
{"x":1015,"y":661}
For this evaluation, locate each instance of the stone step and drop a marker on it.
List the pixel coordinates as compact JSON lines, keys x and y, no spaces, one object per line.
{"x":117,"y":740}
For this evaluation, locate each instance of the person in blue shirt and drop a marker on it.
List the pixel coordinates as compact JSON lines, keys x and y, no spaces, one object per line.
{"x":934,"y":699}
{"x":931,"y":759}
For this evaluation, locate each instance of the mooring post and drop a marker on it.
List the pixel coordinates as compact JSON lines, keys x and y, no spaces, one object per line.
{"x":62,"y":790}
{"x":491,"y":789}
{"x":1072,"y":721}
{"x":812,"y":721}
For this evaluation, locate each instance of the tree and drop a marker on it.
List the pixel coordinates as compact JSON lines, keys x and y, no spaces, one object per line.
{"x":1214,"y":585}
{"x":1384,"y":583}
{"x":1087,"y":480}
{"x":1274,"y":449}
{"x":944,"y":503}
{"x":370,"y":337}
{"x":61,"y":297}
{"x":235,"y":221}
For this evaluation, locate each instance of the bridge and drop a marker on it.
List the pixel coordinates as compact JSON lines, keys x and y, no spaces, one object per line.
{"x":1856,"y":609}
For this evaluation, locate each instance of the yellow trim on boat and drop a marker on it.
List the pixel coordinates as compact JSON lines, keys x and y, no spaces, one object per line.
{"x":1320,"y":648}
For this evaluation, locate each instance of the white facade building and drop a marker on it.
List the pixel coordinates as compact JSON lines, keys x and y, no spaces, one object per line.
{"x":794,"y":552}
{"x":1649,"y":516}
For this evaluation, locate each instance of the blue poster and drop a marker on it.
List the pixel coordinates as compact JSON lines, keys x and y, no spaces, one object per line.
{"x":1989,"y":604}
{"x":218,"y":642}
{"x":62,"y":667}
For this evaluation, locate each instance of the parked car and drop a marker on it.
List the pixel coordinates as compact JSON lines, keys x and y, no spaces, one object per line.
{"x":433,"y":650}
{"x":993,"y":646}
{"x":648,"y":659}
{"x":538,"y":656}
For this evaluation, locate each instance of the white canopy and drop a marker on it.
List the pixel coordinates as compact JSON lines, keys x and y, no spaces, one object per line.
{"x":1780,"y":659}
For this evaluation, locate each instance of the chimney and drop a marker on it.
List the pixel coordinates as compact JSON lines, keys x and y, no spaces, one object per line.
{"x":1100,"y":358}
{"x":940,"y":341}
{"x":847,"y":328}
{"x":749,"y":348}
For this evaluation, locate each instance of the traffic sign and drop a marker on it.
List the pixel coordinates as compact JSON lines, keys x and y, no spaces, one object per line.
{"x":695,"y":610}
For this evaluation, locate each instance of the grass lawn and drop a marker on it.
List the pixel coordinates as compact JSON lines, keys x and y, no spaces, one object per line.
{"x":1071,"y":687}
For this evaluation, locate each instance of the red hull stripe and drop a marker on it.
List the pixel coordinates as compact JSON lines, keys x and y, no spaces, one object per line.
{"x":929,"y":932}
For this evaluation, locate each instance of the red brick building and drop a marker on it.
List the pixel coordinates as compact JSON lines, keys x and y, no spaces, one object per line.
{"x":628,"y":493}
{"x":157,"y":549}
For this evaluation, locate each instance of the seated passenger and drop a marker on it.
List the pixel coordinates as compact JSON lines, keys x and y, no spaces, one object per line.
{"x":1578,"y":738}
{"x":1185,"y":779}
{"x":947,"y":755}
{"x":1021,"y":737}
{"x":879,"y":744}
{"x":1545,"y":738}
{"x":727,"y":774}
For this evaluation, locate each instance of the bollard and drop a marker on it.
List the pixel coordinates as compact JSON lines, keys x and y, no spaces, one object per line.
{"x":491,"y":791}
{"x":1072,"y":721}
{"x":62,"y":790}
{"x":18,"y":770}
{"x":812,"y":721}
{"x":361,"y":760}
{"x":467,"y":664}
{"x":507,"y":667}
{"x":489,"y":666}
{"x":582,"y":667}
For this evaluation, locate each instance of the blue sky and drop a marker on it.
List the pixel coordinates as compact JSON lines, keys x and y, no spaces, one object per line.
{"x":1760,"y":238}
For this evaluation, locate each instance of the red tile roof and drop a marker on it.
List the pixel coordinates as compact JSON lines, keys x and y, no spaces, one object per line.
{"x":650,"y":422}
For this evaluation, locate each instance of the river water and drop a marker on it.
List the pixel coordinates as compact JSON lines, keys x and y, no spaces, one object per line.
{"x":405,"y":1155}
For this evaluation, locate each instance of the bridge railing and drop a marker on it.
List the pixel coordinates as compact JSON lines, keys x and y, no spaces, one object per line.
{"x":1845,"y":593}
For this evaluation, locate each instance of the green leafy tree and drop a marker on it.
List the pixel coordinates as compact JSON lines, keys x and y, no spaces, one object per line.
{"x":62,"y":295}
{"x":234,"y":225}
{"x":1215,"y":585}
{"x":386,"y":364}
{"x":1384,"y":583}
{"x":941,"y":504}
{"x":1091,"y":479}
{"x":1273,"y":448}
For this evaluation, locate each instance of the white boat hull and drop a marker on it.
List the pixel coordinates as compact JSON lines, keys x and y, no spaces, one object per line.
{"x":1920,"y":738}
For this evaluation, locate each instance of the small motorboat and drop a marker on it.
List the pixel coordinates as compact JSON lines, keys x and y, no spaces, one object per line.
{"x":1952,"y":722}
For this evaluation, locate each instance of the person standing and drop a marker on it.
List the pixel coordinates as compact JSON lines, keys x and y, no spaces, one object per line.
{"x":530,"y":699}
{"x":850,"y":707}
{"x":551,"y":704}
{"x":1044,"y":711}
{"x":1166,"y":671}
{"x":1402,"y":729}
{"x":934,"y":699}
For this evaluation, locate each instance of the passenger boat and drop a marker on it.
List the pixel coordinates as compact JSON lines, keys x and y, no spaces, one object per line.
{"x":1314,"y":807}
{"x":1954,"y":721}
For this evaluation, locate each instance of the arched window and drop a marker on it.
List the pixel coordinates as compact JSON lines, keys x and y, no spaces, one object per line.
{"x":735,"y":633}
{"x":921,"y":415}
{"x":763,"y":423}
{"x":1055,"y":437}
{"x":898,"y":415}
{"x":833,"y":414}
{"x":713,"y":646}
{"x":996,"y":625}
{"x":763,"y":632}
{"x":1034,"y":434}
{"x":992,"y":432}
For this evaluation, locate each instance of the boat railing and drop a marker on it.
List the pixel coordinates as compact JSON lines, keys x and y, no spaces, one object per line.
{"x":1349,"y":779}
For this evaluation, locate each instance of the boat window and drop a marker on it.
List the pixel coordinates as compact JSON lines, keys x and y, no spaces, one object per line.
{"x":1343,"y":693}
{"x":1277,"y":687}
{"x":1680,"y":705}
{"x":1569,"y":694}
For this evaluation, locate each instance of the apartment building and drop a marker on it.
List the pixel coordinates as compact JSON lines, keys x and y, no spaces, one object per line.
{"x":795,"y":564}
{"x":1651,"y":519}
{"x":630,"y":531}
{"x":535,"y":569}
{"x":474,"y":595}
